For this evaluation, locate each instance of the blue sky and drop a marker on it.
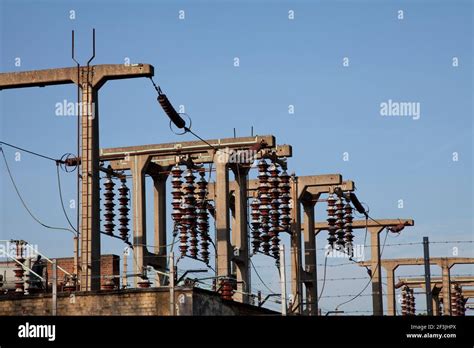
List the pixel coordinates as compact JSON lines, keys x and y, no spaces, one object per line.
{"x":282,"y":62}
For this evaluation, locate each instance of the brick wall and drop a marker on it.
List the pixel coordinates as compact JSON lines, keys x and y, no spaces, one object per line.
{"x":109,"y":266}
{"x":152,"y":301}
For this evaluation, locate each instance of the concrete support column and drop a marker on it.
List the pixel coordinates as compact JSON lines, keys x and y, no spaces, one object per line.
{"x":138,"y":166}
{"x":436,"y":302}
{"x":240,"y":235}
{"x":436,"y":305}
{"x":295,"y":252}
{"x":445,"y":272}
{"x":90,"y":194}
{"x":377,"y":300}
{"x":391,"y":300}
{"x":159,"y":199}
{"x":311,"y":281}
{"x":222,"y":217}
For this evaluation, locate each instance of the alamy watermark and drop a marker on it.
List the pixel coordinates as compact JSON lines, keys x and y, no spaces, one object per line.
{"x":355,"y":252}
{"x":8,"y":249}
{"x":68,"y":108}
{"x":402,"y":109}
{"x":236,"y":156}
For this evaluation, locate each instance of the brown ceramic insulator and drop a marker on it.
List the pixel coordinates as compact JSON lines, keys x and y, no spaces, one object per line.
{"x":348,"y":236}
{"x":18,"y":270}
{"x":109,"y":214}
{"x":123,"y":210}
{"x":413,"y":306}
{"x":274,"y":182}
{"x":340,"y":222}
{"x":331,"y":210}
{"x":275,"y":240}
{"x":255,"y":223}
{"x":454,"y":299}
{"x":262,"y":166}
{"x":190,"y":211}
{"x":285,"y":209}
{"x":202,"y":186}
{"x":203,"y":216}
{"x":178,"y":212}
{"x":265,"y":227}
{"x":203,"y":228}
{"x":404,"y":301}
{"x":144,"y":283}
{"x":227,"y":290}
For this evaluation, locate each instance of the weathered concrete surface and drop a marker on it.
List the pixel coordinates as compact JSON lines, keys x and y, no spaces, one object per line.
{"x":153,"y":301}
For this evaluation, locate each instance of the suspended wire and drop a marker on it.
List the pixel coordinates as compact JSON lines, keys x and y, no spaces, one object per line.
{"x":258,"y":275}
{"x":324,"y":277}
{"x":417,"y":243}
{"x":29,"y":151}
{"x":23,"y":201}
{"x":61,"y":199}
{"x":371,"y":275}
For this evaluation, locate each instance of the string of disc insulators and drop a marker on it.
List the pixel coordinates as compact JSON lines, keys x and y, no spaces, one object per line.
{"x":457,"y":301}
{"x":190,"y":214}
{"x":19,"y":271}
{"x":408,"y":301}
{"x":123,"y":207}
{"x":340,"y":223}
{"x":270,"y":211}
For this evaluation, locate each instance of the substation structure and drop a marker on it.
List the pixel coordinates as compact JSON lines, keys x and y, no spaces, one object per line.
{"x":305,"y":190}
{"x":446,"y":263}
{"x":374,"y":227}
{"x":248,"y":215}
{"x":276,"y":206}
{"x":191,"y":208}
{"x":89,"y":79}
{"x":461,"y":292}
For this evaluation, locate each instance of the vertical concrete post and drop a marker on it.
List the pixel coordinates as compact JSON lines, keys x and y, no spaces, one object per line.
{"x":283,"y":280}
{"x":445,"y":273}
{"x":125,"y":267}
{"x":391,"y":300}
{"x":435,"y":299}
{"x":159,"y":199}
{"x":296,"y":259}
{"x":222,"y":217}
{"x":377,"y":300}
{"x":240,"y":235}
{"x":90,"y":207}
{"x":138,"y":165}
{"x":172,"y":283}
{"x":311,"y":281}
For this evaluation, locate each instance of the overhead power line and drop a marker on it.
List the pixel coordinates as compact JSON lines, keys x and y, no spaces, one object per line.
{"x":23,"y":201}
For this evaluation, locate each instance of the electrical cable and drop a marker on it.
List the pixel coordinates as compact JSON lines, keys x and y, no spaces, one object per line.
{"x":24,"y":203}
{"x":371,"y":276}
{"x":29,"y":151}
{"x":258,"y":275}
{"x":61,"y":198}
{"x":324,"y":277}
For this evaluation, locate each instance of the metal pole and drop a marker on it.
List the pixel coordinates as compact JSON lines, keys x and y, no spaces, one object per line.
{"x":429,"y":295}
{"x":283,"y":279}
{"x":172,"y":307}
{"x":55,"y":288}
